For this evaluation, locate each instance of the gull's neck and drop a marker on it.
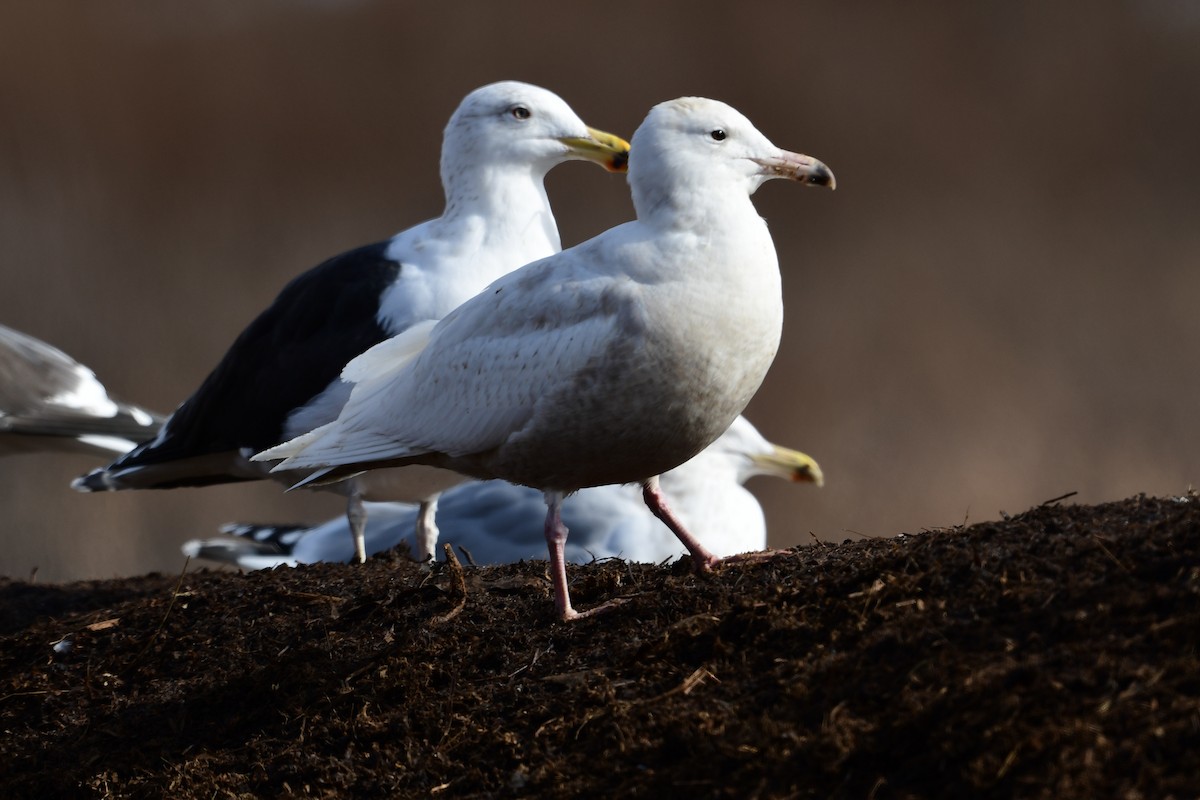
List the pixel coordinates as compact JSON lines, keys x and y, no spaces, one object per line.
{"x":495,"y":221}
{"x":708,"y":494}
{"x":704,"y":473}
{"x":683,"y":205}
{"x":508,"y":200}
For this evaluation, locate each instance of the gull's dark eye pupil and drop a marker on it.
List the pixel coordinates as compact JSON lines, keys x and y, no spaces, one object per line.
{"x":521,"y":112}
{"x":718,"y":135}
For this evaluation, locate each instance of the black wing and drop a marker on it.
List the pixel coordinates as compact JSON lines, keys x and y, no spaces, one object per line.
{"x":282,"y":360}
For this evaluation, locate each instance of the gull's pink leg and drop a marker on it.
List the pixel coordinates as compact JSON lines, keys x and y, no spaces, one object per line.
{"x":701,"y":557}
{"x":556,"y":540}
{"x":657,"y":503}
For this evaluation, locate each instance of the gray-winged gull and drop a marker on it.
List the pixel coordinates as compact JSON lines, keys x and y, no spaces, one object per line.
{"x":611,"y":362}
{"x":49,"y":401}
{"x":498,"y":522}
{"x":280,"y":377}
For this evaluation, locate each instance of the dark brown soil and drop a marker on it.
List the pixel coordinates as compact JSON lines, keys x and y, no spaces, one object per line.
{"x":1053,"y":654}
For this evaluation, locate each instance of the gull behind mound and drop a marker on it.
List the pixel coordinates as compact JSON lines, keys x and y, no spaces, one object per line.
{"x":498,"y":522}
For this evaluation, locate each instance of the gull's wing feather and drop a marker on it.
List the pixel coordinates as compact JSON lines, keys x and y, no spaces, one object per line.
{"x":481,"y":375}
{"x":390,"y":354}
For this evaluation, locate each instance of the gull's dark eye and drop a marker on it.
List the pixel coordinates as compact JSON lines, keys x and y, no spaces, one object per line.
{"x":521,"y":112}
{"x":718,"y":135}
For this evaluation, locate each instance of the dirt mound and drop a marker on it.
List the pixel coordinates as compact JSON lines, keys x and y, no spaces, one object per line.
{"x":1052,"y":654}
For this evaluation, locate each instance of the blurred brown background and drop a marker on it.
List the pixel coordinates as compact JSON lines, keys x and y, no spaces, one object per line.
{"x":996,"y":307}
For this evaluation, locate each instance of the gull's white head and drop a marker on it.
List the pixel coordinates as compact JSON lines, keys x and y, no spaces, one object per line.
{"x":514,"y":124}
{"x":695,"y":142}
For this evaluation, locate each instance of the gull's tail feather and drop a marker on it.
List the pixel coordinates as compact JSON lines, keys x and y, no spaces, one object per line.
{"x":328,"y":447}
{"x":325,"y":477}
{"x":244,"y":554}
{"x":291,"y":448}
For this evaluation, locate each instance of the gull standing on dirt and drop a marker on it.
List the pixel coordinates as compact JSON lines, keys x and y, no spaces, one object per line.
{"x":49,"y":401}
{"x":280,"y":377}
{"x":497,"y":522}
{"x":611,"y":362}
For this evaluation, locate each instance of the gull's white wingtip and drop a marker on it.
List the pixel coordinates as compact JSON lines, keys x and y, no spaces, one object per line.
{"x":390,"y":354}
{"x":289,"y":449}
